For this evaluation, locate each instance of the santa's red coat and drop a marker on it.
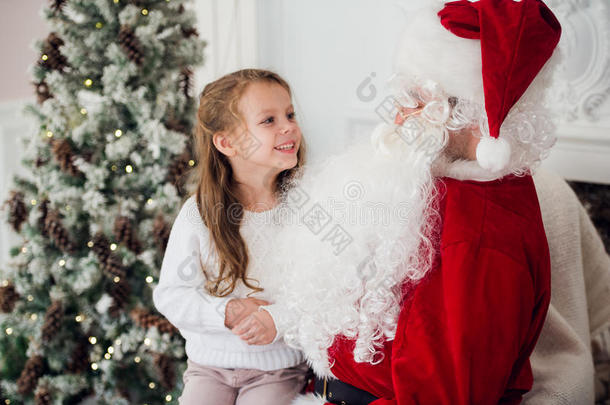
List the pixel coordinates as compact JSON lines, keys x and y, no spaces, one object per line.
{"x":466,"y":331}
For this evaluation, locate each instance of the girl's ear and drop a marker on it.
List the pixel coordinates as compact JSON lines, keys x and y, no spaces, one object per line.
{"x":222,"y":142}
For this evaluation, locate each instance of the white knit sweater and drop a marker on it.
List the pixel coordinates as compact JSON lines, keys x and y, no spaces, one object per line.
{"x":571,"y":361}
{"x":180,"y":295}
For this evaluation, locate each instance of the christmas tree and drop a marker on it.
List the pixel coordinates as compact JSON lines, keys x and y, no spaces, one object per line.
{"x":101,"y":182}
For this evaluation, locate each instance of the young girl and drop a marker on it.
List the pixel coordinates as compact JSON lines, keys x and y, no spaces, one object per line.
{"x":213,"y":278}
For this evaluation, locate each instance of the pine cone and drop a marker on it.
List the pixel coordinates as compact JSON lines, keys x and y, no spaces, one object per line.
{"x":52,"y":321}
{"x":177,"y":170}
{"x":17,"y":210}
{"x":42,"y":92}
{"x":161,"y":231}
{"x":124,"y":232}
{"x":120,"y":293}
{"x":43,"y":396}
{"x":79,"y":360}
{"x":44,"y":212}
{"x":113,"y":267}
{"x":101,"y":247}
{"x":145,"y":319}
{"x":8,"y":298}
{"x":65,"y":157}
{"x":165,"y":368}
{"x":131,"y":45}
{"x":55,"y":60}
{"x":57,"y":5}
{"x":58,"y":233}
{"x":189,"y":32}
{"x":186,"y":82}
{"x":33,"y":369}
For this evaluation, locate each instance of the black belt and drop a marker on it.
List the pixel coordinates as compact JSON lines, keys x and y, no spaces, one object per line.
{"x":338,"y":392}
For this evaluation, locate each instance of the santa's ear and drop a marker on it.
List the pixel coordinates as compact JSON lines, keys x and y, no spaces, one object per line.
{"x":222,"y":141}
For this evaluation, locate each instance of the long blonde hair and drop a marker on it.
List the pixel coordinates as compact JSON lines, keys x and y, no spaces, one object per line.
{"x":211,"y":180}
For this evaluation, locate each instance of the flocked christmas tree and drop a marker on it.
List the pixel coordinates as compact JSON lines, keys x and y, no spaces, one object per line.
{"x":101,"y":182}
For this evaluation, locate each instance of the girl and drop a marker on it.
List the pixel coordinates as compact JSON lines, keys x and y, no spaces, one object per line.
{"x":213,"y":278}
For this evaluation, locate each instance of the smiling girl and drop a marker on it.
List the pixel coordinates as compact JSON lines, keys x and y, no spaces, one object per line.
{"x":214,"y":279}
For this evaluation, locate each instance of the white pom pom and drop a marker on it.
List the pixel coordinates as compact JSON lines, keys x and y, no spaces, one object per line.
{"x":493,"y":154}
{"x":383,"y":137}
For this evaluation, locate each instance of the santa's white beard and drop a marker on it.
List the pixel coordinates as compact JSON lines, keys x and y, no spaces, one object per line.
{"x":354,"y":237}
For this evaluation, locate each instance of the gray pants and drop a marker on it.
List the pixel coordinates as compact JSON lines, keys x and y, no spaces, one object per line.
{"x":205,"y":385}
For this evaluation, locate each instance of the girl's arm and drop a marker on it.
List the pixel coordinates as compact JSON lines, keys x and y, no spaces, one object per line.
{"x":180,"y":295}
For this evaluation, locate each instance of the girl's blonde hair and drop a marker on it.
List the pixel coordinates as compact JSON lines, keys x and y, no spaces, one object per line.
{"x":212,"y":179}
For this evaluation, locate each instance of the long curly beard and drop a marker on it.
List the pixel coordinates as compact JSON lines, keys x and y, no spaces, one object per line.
{"x":358,"y":227}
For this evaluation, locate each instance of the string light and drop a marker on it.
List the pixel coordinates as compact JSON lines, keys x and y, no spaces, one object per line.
{"x":147,"y":342}
{"x":88,"y":82}
{"x":79,"y":317}
{"x":33,"y":202}
{"x":62,"y":263}
{"x":149,"y":279}
{"x":116,"y":279}
{"x":118,"y":342}
{"x":99,"y":25}
{"x":94,"y":366}
{"x":44,"y":57}
{"x":116,"y":1}
{"x":128,"y":168}
{"x":90,"y":243}
{"x":191,"y":162}
{"x":24,"y":249}
{"x":83,"y":111}
{"x":107,"y":356}
{"x":113,"y":246}
{"x":168,"y":397}
{"x":9,"y":331}
{"x":149,"y":201}
{"x":118,"y":133}
{"x":49,"y":134}
{"x":92,"y":340}
{"x":110,"y":349}
{"x":151,"y":385}
{"x":137,"y":359}
{"x":30,"y":298}
{"x":113,"y":168}
{"x":4,"y":283}
{"x":33,"y":317}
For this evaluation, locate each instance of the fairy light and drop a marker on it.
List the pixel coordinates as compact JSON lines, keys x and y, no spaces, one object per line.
{"x":168,"y":398}
{"x":107,"y":356}
{"x":34,"y":317}
{"x":118,"y":133}
{"x":117,"y":342}
{"x":116,"y":279}
{"x":147,"y":342}
{"x":4,"y":283}
{"x":137,"y":359}
{"x":88,"y":82}
{"x":79,"y":318}
{"x":116,"y":1}
{"x":144,"y":11}
{"x":49,"y":134}
{"x":113,"y":168}
{"x":44,"y":57}
{"x":9,"y":331}
{"x":90,"y":244}
{"x":94,"y":366}
{"x":149,"y":279}
{"x":110,"y":349}
{"x":92,"y":340}
{"x":33,"y":202}
{"x":62,"y":263}
{"x":113,"y":246}
{"x":83,"y":111}
{"x":191,"y":162}
{"x":128,"y":168}
{"x":149,"y":201}
{"x":24,"y":249}
{"x":99,"y":25}
{"x":151,"y":385}
{"x":30,"y":298}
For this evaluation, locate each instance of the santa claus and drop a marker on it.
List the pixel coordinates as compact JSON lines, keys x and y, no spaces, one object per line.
{"x":431,"y":284}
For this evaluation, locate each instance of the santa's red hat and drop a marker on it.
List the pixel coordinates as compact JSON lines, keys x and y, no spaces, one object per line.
{"x":488,"y":51}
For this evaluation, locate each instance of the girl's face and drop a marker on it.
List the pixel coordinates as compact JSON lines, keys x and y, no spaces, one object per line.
{"x":270,"y":141}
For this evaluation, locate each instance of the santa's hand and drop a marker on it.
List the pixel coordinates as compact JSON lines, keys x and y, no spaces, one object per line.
{"x":256,"y":329}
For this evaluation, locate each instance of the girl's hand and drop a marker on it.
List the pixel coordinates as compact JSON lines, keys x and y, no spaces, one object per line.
{"x":257,"y":329}
{"x":239,"y":308}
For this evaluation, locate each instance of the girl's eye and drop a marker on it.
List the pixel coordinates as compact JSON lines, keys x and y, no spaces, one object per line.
{"x":268,"y":121}
{"x":292,"y":115}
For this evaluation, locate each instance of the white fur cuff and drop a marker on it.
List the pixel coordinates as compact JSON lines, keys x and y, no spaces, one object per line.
{"x":308,"y":399}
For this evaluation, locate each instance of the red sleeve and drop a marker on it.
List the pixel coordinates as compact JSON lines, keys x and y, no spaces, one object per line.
{"x":466,"y":335}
